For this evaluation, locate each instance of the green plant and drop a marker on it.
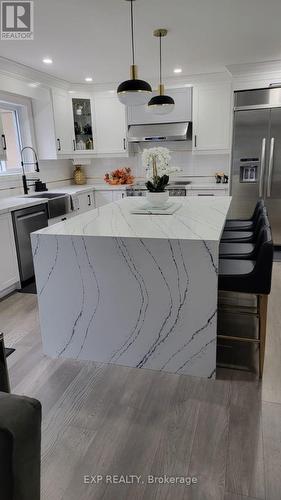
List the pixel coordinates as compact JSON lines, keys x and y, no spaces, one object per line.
{"x":158,"y":184}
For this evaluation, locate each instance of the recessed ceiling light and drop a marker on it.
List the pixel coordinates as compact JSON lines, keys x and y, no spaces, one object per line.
{"x":71,"y":91}
{"x":177,"y":70}
{"x":88,"y":79}
{"x":34,"y":84}
{"x":47,"y":60}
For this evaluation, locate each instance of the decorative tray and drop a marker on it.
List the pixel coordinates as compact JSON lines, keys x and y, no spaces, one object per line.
{"x":169,"y":209}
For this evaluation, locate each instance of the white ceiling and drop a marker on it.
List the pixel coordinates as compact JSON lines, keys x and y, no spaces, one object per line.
{"x":91,"y":37}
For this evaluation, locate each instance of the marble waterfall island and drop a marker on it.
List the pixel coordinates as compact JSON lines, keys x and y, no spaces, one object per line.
{"x":134,"y":290}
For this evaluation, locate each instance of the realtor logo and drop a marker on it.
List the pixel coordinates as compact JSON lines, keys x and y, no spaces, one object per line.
{"x":17,"y":20}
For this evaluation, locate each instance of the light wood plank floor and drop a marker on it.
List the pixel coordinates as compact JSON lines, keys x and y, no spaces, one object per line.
{"x":105,"y":419}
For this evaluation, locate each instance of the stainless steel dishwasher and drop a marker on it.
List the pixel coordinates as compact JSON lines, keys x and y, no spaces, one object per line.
{"x":26,"y":221}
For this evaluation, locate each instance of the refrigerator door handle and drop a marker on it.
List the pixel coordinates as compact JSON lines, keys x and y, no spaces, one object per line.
{"x":263,"y":150}
{"x":270,"y":167}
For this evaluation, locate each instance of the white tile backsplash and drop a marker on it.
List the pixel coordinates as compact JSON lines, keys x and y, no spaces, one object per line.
{"x":54,"y":173}
{"x":195,"y":165}
{"x":60,"y":172}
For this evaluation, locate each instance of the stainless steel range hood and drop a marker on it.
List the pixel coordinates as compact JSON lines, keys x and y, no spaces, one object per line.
{"x":160,"y":132}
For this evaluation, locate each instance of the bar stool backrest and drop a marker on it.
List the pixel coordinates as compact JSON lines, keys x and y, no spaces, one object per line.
{"x":264,"y":262}
{"x":258,"y":208}
{"x":261,"y":209}
{"x":260,"y":223}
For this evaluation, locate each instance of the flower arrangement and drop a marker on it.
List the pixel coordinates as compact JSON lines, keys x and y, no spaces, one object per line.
{"x":119,"y":176}
{"x":157,"y":165}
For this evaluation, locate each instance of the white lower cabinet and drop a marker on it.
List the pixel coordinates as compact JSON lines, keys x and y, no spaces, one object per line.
{"x":102,"y":197}
{"x":207,"y":192}
{"x":118,"y":195}
{"x":9,"y":273}
{"x":85,"y":202}
{"x":61,"y":218}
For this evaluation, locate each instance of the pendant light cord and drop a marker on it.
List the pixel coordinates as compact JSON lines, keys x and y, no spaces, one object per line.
{"x":160,"y":39}
{"x":132,"y":31}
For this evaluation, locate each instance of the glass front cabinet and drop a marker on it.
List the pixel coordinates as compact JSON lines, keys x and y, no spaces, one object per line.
{"x":83,"y":125}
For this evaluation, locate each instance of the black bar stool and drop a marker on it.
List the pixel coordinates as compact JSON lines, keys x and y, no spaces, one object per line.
{"x":250,"y":277}
{"x":245,"y":224}
{"x":233,"y":250}
{"x":246,"y":236}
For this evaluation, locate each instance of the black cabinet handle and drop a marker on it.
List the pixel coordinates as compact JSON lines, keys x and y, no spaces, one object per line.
{"x":4,"y":142}
{"x":74,"y":145}
{"x":59,"y":145}
{"x":89,"y":200}
{"x":195,"y":141}
{"x":124,"y":144}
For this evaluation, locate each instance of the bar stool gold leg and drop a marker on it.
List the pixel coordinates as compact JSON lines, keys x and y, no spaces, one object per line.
{"x":4,"y":376}
{"x":262,"y":305}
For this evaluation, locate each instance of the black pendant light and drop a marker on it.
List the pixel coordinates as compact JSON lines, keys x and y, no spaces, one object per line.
{"x":161,"y":104}
{"x":134,"y":92}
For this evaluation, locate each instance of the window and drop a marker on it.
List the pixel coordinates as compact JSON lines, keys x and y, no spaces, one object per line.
{"x":10,"y":126}
{"x":16,"y":124}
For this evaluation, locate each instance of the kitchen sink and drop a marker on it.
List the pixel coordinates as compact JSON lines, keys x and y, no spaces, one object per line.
{"x":58,"y":203}
{"x":50,"y":196}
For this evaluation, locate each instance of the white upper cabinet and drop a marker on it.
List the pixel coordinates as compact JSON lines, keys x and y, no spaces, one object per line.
{"x":182,"y":112}
{"x":3,"y":146}
{"x":212,"y":109}
{"x":83,"y":125}
{"x":63,"y":122}
{"x":89,"y":125}
{"x":111,"y":126}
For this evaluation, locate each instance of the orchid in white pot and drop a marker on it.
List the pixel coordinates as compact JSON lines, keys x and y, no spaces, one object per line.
{"x":157,"y":164}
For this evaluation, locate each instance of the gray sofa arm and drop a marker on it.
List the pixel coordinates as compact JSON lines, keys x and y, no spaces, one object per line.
{"x":20,"y":447}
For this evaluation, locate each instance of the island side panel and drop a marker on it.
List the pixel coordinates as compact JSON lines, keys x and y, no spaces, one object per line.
{"x":146,"y":303}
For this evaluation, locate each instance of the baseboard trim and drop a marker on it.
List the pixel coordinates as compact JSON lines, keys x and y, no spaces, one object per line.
{"x":9,"y":290}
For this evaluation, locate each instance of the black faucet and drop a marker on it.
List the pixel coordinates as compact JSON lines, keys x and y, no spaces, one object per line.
{"x":23,"y":164}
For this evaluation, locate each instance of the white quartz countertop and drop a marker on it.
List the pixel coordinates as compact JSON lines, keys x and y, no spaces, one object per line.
{"x":196,"y":219}
{"x":12,"y":203}
{"x":76,"y":189}
{"x":18,"y":202}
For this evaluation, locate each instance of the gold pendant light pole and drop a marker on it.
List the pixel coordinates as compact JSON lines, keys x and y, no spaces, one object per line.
{"x":161,"y":104}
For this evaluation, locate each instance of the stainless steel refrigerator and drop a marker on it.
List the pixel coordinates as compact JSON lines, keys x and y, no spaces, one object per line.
{"x":256,"y":155}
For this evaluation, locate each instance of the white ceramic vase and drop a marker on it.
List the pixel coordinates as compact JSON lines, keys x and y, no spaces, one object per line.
{"x":157,"y":200}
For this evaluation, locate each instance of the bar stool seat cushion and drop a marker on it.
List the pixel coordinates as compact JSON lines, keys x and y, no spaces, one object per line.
{"x":239,"y":236}
{"x":236,"y":250}
{"x":239,"y":225}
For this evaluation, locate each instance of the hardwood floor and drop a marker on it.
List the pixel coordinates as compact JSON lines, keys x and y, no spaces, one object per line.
{"x":105,"y":419}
